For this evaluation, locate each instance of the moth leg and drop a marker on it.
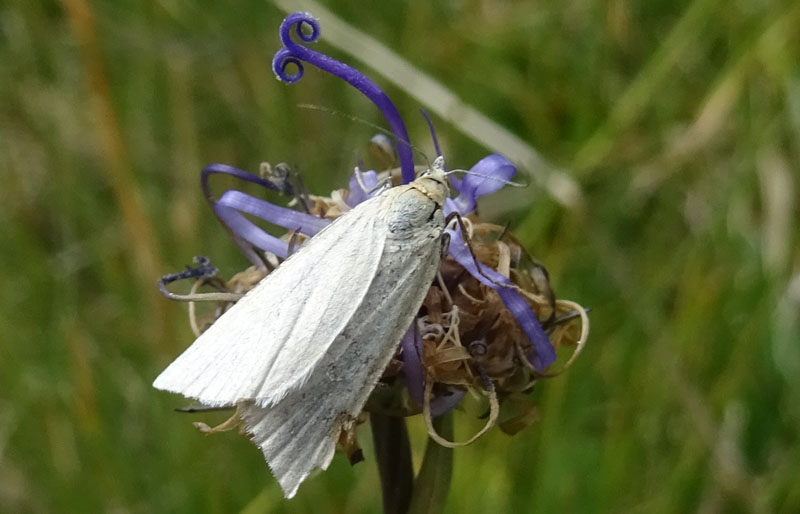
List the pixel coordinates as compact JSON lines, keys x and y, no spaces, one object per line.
{"x":439,"y":278}
{"x":455,"y":215}
{"x":380,"y":185}
{"x":478,"y":265}
{"x":292,"y":243}
{"x":349,"y":443}
{"x":445,"y":244}
{"x":229,"y":424}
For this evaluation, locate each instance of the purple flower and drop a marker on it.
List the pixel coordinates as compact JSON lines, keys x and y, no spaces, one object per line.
{"x":362,"y":186}
{"x":487,"y":176}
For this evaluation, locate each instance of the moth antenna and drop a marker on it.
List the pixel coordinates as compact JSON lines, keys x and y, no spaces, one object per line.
{"x":361,"y":121}
{"x":369,"y":190}
{"x":490,"y":177}
{"x":428,"y":163}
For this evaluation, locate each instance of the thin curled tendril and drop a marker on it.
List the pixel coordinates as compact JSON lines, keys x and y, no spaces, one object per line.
{"x":295,"y":53}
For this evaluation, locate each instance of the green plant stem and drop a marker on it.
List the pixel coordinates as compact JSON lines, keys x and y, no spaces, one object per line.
{"x":432,"y":484}
{"x":393,"y":453}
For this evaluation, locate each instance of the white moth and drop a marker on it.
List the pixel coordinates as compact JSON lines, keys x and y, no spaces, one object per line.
{"x":301,"y":352}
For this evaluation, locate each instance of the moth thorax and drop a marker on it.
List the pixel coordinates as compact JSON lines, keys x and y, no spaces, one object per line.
{"x":412,"y":210}
{"x":434,"y":187}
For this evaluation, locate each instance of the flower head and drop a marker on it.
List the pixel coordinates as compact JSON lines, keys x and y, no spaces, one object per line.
{"x":490,"y":322}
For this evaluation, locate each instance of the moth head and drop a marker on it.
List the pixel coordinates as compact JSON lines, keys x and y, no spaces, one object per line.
{"x":433,"y":182}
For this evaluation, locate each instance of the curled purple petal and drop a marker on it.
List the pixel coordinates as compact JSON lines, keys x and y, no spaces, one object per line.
{"x":229,"y":209}
{"x":369,"y":179}
{"x":415,"y":377}
{"x":250,"y":232}
{"x":244,"y":232}
{"x":287,"y":218}
{"x":224,"y":169}
{"x":294,"y":53}
{"x":285,"y":57}
{"x":489,"y":174}
{"x":541,"y":354}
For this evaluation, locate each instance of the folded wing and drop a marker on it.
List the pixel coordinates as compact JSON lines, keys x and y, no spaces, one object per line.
{"x":288,"y":321}
{"x":299,"y":432}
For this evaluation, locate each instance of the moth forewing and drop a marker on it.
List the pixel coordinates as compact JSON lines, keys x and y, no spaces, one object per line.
{"x":292,"y":315}
{"x":301,"y":353}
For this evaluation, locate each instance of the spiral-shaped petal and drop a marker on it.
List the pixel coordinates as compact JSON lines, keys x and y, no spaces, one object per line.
{"x":295,"y":53}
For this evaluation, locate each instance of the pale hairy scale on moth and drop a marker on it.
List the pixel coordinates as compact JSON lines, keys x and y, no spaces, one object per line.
{"x":301,"y":352}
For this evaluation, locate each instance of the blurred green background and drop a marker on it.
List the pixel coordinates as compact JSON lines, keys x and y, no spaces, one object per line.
{"x":680,"y":122}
